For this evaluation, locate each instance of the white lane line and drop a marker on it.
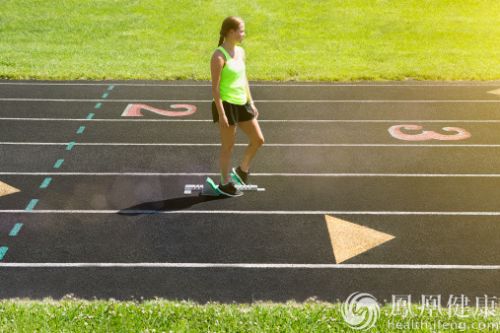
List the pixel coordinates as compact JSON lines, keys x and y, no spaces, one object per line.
{"x":202,"y":174}
{"x":405,"y":84}
{"x":244,"y":212}
{"x":257,"y":100}
{"x":245,"y":144}
{"x":244,"y":265}
{"x":266,"y":120}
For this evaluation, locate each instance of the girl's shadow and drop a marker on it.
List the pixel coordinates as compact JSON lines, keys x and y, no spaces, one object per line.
{"x":180,"y":203}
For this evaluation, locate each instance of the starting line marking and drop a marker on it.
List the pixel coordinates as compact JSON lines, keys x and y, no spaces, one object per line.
{"x":197,"y":187}
{"x":246,"y":265}
{"x":263,"y":120}
{"x":243,"y":212}
{"x":259,"y":101}
{"x":245,"y":144}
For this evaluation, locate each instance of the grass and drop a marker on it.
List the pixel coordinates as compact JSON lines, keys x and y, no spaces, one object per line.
{"x":286,"y":40}
{"x":76,"y":315}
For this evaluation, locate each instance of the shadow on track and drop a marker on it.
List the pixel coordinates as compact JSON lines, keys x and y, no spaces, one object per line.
{"x":180,"y":203}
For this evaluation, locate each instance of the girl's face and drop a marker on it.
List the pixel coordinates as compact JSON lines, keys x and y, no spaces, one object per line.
{"x":239,"y":34}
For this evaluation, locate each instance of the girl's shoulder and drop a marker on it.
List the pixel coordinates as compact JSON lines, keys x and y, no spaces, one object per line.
{"x":217,"y":52}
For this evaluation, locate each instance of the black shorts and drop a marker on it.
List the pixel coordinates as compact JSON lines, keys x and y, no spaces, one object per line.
{"x":234,"y":113}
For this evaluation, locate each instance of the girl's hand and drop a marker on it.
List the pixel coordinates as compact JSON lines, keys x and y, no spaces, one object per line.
{"x":254,"y":109}
{"x":224,"y":123}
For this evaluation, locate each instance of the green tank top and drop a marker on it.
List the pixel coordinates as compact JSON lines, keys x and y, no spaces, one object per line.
{"x":233,"y":80}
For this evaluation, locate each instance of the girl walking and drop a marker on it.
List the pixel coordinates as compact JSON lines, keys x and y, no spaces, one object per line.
{"x":232,"y":105}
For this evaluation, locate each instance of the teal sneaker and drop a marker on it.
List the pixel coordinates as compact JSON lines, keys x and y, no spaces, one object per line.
{"x":239,"y":176}
{"x":229,"y":190}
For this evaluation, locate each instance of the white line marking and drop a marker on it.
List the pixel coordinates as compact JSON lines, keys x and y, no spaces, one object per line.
{"x":265,"y":121}
{"x":259,"y":101}
{"x":245,"y":144}
{"x":243,"y":265}
{"x":406,"y":84}
{"x":202,"y":174}
{"x":243,"y":212}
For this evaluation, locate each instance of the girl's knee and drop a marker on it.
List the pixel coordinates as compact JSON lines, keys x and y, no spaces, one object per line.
{"x":259,"y":141}
{"x":227,"y":148}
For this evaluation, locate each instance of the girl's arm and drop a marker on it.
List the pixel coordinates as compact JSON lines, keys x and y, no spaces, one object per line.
{"x":216,"y":64}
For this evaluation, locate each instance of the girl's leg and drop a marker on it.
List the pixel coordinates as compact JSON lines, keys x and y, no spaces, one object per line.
{"x":227,"y":143}
{"x":252,"y":130}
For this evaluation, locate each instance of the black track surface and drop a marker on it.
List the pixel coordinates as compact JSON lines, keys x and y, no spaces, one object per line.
{"x":445,"y":220}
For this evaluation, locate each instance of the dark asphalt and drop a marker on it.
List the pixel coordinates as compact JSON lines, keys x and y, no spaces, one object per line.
{"x":206,"y":132}
{"x":446,"y":220}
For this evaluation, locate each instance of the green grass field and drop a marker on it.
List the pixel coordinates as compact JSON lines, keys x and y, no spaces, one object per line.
{"x":286,"y":40}
{"x":73,"y":315}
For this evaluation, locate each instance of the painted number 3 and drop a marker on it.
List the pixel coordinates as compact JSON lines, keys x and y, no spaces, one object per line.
{"x":395,"y":131}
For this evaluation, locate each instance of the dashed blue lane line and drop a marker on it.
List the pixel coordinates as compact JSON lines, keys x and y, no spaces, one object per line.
{"x":15,"y":229}
{"x":31,"y":205}
{"x":46,"y":182}
{"x":70,"y":145}
{"x":58,"y":163}
{"x":33,"y":202}
{"x":3,"y":251}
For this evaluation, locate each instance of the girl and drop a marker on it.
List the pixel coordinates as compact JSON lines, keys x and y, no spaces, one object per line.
{"x":233,"y":105}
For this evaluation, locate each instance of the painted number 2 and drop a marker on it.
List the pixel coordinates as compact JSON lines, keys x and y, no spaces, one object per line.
{"x":134,"y":110}
{"x":395,"y":131}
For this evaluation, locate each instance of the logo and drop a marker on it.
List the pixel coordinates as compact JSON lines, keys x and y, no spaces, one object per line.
{"x":360,"y":311}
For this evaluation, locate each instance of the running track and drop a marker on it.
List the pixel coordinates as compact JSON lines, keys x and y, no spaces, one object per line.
{"x":99,"y":209}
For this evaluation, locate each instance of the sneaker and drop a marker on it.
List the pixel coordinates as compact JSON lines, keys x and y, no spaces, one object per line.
{"x":240,"y":176}
{"x":229,"y":189}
